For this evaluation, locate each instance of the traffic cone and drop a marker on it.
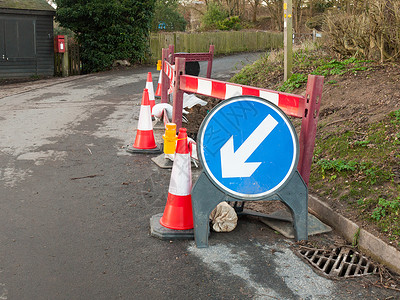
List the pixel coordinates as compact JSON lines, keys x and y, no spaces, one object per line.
{"x":150,"y":88}
{"x":178,"y":210}
{"x":158,"y":91}
{"x":144,"y":141}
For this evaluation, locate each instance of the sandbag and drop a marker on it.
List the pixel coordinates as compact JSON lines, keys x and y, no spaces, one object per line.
{"x":223,"y":217}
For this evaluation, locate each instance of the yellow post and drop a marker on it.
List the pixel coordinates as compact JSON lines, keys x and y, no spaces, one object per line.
{"x":287,"y":39}
{"x":159,"y":65}
{"x":170,"y":138}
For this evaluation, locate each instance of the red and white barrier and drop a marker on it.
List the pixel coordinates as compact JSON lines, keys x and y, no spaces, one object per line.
{"x":304,"y":107}
{"x":292,"y":105}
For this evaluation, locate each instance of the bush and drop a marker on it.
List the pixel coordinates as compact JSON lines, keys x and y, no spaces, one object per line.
{"x":215,"y":13}
{"x":107,"y":30}
{"x":167,"y":17}
{"x":370,"y":31}
{"x":231,"y":23}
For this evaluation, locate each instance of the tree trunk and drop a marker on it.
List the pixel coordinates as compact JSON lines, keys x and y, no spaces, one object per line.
{"x":255,"y":9}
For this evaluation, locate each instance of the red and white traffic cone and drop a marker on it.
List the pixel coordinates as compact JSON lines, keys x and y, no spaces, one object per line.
{"x":144,"y":141}
{"x":178,"y":210}
{"x":150,"y":88}
{"x":158,"y":91}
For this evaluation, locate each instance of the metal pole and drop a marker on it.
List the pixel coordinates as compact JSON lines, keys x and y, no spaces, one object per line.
{"x":287,"y":36}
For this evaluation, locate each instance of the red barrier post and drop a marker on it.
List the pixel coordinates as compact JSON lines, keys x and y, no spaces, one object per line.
{"x":164,"y":79}
{"x":177,"y":106}
{"x":171,"y":50}
{"x":309,"y":125}
{"x":210,"y":61}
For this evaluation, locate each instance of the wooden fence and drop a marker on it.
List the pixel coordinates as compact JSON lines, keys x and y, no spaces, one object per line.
{"x":74,"y":62}
{"x":225,"y":42}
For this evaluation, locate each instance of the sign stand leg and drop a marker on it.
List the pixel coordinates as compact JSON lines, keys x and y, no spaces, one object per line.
{"x":205,"y":197}
{"x":295,"y":195}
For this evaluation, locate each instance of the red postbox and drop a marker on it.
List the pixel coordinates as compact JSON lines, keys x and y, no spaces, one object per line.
{"x":59,"y":44}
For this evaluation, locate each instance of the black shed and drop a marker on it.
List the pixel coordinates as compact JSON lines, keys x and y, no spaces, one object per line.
{"x":26,"y":38}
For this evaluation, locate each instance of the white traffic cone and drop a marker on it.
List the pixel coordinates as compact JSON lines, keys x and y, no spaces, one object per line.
{"x":178,"y":210}
{"x":144,"y":141}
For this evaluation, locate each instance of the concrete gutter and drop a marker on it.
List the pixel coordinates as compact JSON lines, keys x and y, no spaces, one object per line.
{"x":367,"y":242}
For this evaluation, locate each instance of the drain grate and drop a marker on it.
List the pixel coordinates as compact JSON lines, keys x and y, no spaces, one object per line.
{"x":339,"y":262}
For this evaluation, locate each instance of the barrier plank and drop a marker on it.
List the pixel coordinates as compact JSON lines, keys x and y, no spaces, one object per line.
{"x":291,"y":104}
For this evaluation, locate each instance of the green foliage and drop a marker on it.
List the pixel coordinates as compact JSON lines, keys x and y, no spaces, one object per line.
{"x":336,"y":67}
{"x":107,"y":30}
{"x":253,"y":74}
{"x":356,"y":237}
{"x":166,"y":13}
{"x":396,"y":117}
{"x":385,"y":208}
{"x":337,"y":165}
{"x":361,"y":143}
{"x":304,"y":59}
{"x":295,"y":81}
{"x":308,"y":58}
{"x":58,"y":30}
{"x":363,"y":169}
{"x":231,"y":23}
{"x":215,"y":13}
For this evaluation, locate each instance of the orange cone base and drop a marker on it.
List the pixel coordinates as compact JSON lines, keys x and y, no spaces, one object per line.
{"x":144,"y":140}
{"x":144,"y":143}
{"x":131,"y":149}
{"x":178,"y":213}
{"x":164,"y":233}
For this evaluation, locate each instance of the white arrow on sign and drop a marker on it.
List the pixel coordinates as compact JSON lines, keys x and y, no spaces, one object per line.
{"x":233,"y":164}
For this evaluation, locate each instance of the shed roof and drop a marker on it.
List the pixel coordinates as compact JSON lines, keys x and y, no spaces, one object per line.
{"x":26,"y":5}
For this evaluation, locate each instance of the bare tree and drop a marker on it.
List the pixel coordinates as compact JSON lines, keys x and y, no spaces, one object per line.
{"x":275,"y":9}
{"x":370,"y":30}
{"x":297,"y":15}
{"x":255,"y":4}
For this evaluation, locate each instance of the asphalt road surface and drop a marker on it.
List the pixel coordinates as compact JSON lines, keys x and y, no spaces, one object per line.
{"x":75,"y":208}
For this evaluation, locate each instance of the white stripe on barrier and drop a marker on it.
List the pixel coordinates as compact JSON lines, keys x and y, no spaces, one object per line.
{"x":272,"y":97}
{"x":232,"y":91}
{"x":204,"y":86}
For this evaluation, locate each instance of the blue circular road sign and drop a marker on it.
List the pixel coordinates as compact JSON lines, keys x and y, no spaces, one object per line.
{"x":248,"y":147}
